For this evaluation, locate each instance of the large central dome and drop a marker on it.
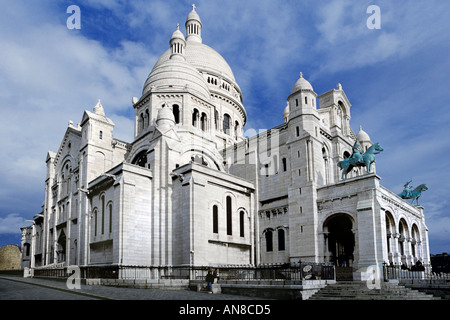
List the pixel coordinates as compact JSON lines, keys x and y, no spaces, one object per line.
{"x":191,"y":65}
{"x":207,"y":61}
{"x":204,"y":59}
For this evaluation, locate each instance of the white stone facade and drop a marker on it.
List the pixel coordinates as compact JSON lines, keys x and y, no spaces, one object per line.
{"x":191,"y":190}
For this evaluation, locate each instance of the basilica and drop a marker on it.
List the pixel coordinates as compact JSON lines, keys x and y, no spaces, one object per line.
{"x":192,"y":190}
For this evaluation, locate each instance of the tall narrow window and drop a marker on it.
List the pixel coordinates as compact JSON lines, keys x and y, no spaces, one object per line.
{"x":226,"y":123}
{"x":176,"y":113}
{"x":203,"y":121}
{"x":95,"y":222}
{"x":284,"y":164}
{"x":241,"y":223}
{"x":103,"y":214}
{"x":110,"y":218}
{"x":100,"y":135}
{"x":195,"y":116}
{"x":281,"y":240}
{"x":269,"y":241}
{"x":297,"y":131}
{"x":215,"y":219}
{"x":229,"y":217}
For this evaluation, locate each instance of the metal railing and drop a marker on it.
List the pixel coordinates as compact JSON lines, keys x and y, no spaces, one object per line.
{"x":304,"y":271}
{"x":423,"y":272}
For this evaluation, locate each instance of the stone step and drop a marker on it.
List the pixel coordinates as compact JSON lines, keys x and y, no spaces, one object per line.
{"x":356,"y":290}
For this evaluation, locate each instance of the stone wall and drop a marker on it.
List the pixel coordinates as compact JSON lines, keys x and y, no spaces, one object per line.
{"x":9,"y":257}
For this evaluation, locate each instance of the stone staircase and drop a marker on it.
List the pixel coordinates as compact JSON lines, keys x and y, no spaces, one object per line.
{"x":357,"y":290}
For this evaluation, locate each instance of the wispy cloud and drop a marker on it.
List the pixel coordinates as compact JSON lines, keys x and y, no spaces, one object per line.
{"x":395,"y":77}
{"x":12,"y":223}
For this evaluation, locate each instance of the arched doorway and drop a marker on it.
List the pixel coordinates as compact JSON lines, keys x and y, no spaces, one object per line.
{"x":61,"y":247}
{"x":340,"y":240}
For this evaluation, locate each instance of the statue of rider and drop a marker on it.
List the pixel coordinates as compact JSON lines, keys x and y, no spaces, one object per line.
{"x":407,"y":189}
{"x":357,"y":156}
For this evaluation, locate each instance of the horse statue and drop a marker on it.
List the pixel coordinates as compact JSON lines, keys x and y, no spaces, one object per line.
{"x":359,"y":160}
{"x":407,"y":193}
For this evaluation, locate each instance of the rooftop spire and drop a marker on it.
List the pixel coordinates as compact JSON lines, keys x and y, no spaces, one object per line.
{"x":193,"y":26}
{"x":98,"y":109}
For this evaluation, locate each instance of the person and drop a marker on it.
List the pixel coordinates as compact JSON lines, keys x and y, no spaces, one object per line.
{"x":209,"y":280}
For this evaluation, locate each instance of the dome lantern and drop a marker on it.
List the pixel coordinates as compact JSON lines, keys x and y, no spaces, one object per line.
{"x":177,"y":44}
{"x":194,"y":26}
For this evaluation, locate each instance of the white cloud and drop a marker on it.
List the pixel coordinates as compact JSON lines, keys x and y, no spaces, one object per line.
{"x":347,"y":43}
{"x":49,"y":74}
{"x":12,"y":223}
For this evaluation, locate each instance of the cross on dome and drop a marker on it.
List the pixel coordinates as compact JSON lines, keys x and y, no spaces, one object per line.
{"x":193,"y":7}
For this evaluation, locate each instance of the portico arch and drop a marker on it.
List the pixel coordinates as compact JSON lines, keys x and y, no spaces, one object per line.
{"x":339,"y":239}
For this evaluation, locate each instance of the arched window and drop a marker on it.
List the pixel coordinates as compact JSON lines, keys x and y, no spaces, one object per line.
{"x":141,"y":122}
{"x":95,"y":222}
{"x":226,"y":123}
{"x":103,"y":214}
{"x":195,"y":116}
{"x":147,"y":119}
{"x":281,"y":240}
{"x":141,"y":159}
{"x":229,"y":217}
{"x":176,"y":113}
{"x":26,"y":247}
{"x":203,"y":121}
{"x":403,"y":230}
{"x":269,"y":241}
{"x":100,"y":135}
{"x":242,"y":223}
{"x":110,"y":217}
{"x":215,"y":219}
{"x":236,"y":129}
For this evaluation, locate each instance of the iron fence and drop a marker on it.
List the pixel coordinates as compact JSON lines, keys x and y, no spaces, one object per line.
{"x":304,"y":271}
{"x":422,"y":272}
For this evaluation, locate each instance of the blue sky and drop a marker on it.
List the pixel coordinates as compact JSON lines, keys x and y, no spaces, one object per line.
{"x":396,"y":79}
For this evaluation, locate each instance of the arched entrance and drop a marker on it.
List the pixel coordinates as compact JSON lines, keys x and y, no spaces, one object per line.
{"x":340,"y":244}
{"x":61,"y":247}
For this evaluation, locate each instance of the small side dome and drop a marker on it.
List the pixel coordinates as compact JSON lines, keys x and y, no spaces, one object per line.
{"x":362,"y":136}
{"x":177,"y":34}
{"x":301,"y":84}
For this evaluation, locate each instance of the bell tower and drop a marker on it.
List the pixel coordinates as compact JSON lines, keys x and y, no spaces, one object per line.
{"x":305,"y":148}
